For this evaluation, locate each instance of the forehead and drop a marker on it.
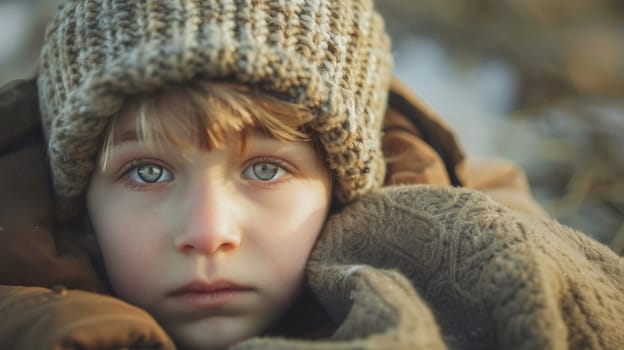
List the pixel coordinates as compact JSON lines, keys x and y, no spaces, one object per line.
{"x":172,"y":120}
{"x":175,"y":113}
{"x":206,"y":115}
{"x":143,"y":117}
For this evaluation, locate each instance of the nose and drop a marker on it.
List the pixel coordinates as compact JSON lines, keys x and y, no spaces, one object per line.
{"x":212,"y":225}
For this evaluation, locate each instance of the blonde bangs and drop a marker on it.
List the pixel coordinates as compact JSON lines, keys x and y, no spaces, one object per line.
{"x":211,"y":113}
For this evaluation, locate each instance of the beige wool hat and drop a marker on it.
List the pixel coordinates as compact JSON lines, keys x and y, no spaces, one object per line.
{"x":332,"y":56}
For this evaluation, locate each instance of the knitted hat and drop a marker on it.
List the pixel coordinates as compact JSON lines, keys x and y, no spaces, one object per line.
{"x":332,"y":56}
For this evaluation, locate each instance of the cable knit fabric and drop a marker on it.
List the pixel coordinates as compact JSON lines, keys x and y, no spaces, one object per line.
{"x":331,"y":56}
{"x":494,"y":278}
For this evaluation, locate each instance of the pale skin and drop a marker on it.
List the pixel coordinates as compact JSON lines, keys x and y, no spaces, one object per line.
{"x":164,"y":219}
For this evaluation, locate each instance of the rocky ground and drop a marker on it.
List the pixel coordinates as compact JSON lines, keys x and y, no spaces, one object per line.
{"x":537,"y":81}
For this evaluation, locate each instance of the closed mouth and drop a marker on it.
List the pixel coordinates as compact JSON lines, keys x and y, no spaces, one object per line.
{"x":209,"y":295}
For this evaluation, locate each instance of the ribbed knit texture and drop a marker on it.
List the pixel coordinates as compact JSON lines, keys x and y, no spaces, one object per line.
{"x":332,"y":56}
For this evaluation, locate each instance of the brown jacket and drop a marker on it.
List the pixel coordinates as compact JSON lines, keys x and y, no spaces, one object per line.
{"x":438,"y":267}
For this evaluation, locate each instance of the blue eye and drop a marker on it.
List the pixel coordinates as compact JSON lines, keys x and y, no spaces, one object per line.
{"x":149,"y":174}
{"x":264,"y":171}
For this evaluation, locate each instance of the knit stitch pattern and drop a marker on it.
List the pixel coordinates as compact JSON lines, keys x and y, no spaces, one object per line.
{"x":333,"y":57}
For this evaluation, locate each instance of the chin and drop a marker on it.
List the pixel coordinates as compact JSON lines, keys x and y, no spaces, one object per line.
{"x":211,"y":333}
{"x":204,"y":344}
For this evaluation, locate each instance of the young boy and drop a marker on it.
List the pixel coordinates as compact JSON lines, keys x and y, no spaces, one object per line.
{"x":207,"y":141}
{"x":204,"y":145}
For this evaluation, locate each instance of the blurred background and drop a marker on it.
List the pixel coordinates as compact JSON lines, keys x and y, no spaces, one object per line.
{"x":540,"y":82}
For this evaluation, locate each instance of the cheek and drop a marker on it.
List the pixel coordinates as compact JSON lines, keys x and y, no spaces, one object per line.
{"x":290,"y":226}
{"x":128,"y":247}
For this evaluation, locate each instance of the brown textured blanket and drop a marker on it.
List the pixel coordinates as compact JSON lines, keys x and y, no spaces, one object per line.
{"x":484,"y":276}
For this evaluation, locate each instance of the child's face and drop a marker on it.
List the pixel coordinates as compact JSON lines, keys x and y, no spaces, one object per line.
{"x":213,"y":244}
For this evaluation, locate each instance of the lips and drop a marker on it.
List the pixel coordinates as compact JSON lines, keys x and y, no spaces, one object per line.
{"x":207,"y":288}
{"x":209,"y":295}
